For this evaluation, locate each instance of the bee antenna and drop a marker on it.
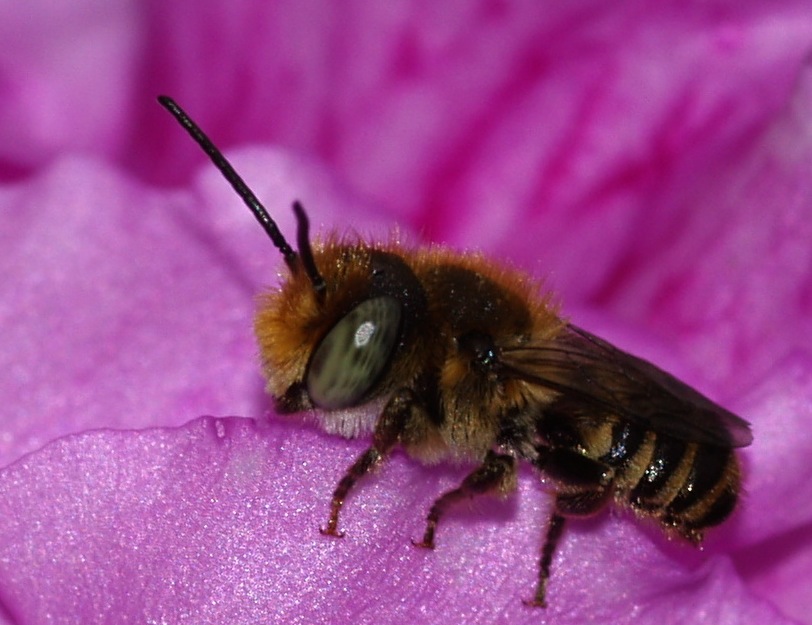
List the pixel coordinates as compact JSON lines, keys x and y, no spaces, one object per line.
{"x":305,"y":251}
{"x":251,"y":201}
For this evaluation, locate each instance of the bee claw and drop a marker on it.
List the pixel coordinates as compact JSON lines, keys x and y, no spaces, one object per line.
{"x":535,"y":603}
{"x":331,"y":531}
{"x":423,"y":544}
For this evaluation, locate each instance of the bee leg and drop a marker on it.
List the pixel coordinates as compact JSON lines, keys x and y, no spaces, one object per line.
{"x":574,"y":471}
{"x":386,"y":435}
{"x":585,"y":488}
{"x":555,"y":527}
{"x":497,"y":472}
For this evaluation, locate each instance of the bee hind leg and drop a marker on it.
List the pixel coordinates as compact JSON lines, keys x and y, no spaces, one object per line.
{"x":496,"y":473}
{"x":585,"y":488}
{"x":577,"y":504}
{"x":555,"y":527}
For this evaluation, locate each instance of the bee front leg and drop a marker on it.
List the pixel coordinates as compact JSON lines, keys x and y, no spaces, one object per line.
{"x":497,"y":472}
{"x":387,"y":433}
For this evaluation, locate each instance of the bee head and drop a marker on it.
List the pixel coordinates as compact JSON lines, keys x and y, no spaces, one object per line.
{"x":326,"y":339}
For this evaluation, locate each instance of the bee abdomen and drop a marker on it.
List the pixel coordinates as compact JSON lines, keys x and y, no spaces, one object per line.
{"x":631,"y":453}
{"x":708,"y":495}
{"x":685,"y":485}
{"x":667,"y":470}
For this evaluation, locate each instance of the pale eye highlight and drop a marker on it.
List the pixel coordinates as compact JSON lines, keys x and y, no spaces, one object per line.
{"x":354,"y":354}
{"x":364,"y":334}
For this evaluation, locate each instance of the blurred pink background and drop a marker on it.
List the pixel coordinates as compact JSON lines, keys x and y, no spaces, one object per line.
{"x":649,"y":162}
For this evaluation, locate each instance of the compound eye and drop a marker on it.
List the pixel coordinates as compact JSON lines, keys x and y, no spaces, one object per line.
{"x":354,"y":354}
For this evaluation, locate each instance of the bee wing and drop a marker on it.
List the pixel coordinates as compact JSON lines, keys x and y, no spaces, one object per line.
{"x":602,"y":380}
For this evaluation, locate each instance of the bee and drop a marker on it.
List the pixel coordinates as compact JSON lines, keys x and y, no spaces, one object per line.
{"x":453,"y":357}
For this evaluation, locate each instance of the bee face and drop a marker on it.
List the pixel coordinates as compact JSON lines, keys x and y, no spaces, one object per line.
{"x":452,"y":356}
{"x":294,"y":321}
{"x":343,"y":347}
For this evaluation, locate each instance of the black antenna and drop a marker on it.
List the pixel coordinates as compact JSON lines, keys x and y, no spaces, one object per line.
{"x":305,"y":251}
{"x":251,"y":201}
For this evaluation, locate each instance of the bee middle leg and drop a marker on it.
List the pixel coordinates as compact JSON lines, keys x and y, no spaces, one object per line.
{"x":388,"y":429}
{"x":496,"y":473}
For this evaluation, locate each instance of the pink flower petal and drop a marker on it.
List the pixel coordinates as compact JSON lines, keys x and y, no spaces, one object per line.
{"x":216,"y":521}
{"x":123,"y":306}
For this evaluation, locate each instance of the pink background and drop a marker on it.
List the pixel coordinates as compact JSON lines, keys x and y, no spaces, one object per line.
{"x":650,"y":161}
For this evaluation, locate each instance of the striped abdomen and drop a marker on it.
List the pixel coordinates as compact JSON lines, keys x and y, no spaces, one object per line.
{"x":686,"y":486}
